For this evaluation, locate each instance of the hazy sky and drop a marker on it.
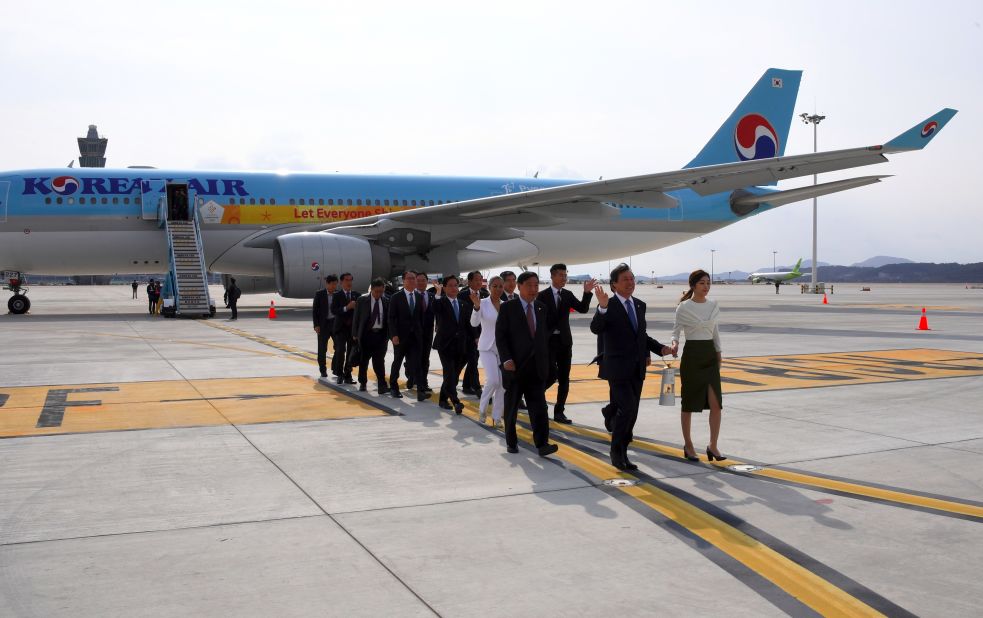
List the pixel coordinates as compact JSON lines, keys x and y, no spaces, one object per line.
{"x":571,"y":89}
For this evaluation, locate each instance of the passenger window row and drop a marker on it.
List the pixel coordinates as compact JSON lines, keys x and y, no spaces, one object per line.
{"x":262,"y":201}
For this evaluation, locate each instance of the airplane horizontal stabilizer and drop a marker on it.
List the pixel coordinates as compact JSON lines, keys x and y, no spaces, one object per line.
{"x":918,"y":136}
{"x":780,"y":198}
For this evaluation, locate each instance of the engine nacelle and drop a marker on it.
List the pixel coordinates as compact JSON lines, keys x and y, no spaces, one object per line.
{"x":295,"y":256}
{"x":249,"y":284}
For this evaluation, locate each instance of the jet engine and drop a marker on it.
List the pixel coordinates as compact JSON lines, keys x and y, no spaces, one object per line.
{"x":301,"y":260}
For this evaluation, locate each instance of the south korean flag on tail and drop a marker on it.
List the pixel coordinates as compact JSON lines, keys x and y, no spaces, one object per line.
{"x":776,"y":82}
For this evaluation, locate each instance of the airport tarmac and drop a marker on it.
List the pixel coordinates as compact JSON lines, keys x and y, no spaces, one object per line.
{"x":157,"y":467}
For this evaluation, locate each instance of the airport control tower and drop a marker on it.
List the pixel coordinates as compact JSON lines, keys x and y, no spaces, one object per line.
{"x":92,"y":149}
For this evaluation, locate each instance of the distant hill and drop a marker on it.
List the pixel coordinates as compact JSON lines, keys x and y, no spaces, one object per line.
{"x":881,"y":260}
{"x":911,"y":272}
{"x":890,"y":269}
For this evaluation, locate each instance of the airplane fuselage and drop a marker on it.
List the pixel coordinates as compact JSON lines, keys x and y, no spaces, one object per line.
{"x":103,"y":221}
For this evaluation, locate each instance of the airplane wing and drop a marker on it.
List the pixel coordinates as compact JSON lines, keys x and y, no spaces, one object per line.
{"x":496,"y":217}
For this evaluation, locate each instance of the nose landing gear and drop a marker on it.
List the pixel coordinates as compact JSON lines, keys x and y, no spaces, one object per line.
{"x":19,"y":303}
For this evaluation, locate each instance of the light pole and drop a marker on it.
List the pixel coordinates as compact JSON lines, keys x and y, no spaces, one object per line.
{"x":774,"y":255}
{"x":712,"y":251}
{"x":814,"y":120}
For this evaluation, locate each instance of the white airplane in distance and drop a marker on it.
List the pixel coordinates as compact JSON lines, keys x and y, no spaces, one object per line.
{"x":777,"y":278}
{"x":285,"y":232}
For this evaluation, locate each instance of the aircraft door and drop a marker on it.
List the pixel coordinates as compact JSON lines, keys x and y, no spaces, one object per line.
{"x":152,"y":199}
{"x":4,"y":190}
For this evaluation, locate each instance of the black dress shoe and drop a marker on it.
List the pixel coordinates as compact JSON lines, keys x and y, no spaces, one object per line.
{"x":445,"y":405}
{"x":458,"y":407}
{"x":549,"y":449}
{"x":477,"y":392}
{"x":561,"y":418}
{"x":362,"y":388}
{"x":349,"y":380}
{"x":422,"y":396}
{"x":324,"y":374}
{"x":617,"y":460}
{"x":409,"y":385}
{"x":396,"y":393}
{"x":512,"y":449}
{"x":383,"y":389}
{"x":340,"y":380}
{"x":467,"y":390}
{"x":608,"y":412}
{"x":628,"y":465}
{"x":427,"y":388}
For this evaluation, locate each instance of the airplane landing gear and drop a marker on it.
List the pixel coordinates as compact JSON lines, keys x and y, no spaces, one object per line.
{"x":18,"y":304}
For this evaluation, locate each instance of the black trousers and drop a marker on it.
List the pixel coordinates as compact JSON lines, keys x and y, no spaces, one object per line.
{"x":233,"y":308}
{"x":425,"y":347}
{"x":471,"y":370}
{"x":526,"y":383}
{"x":151,"y":300}
{"x":625,"y":395}
{"x":322,"y":345}
{"x":560,"y":358}
{"x":452,"y":359}
{"x":408,"y":350}
{"x":340,"y":363}
{"x":373,"y":346}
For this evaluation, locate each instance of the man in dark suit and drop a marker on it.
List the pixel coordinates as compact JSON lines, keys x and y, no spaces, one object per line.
{"x":342,"y":306}
{"x":508,"y":281}
{"x":472,"y":384}
{"x":370,"y":334}
{"x":620,"y":321}
{"x":426,"y":346}
{"x":453,"y":317}
{"x":522,"y":337}
{"x":559,"y":302}
{"x":324,"y":320}
{"x":406,"y":331}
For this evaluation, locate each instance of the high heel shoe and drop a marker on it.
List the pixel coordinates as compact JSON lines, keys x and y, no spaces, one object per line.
{"x":711,"y":456}
{"x":689,"y":457}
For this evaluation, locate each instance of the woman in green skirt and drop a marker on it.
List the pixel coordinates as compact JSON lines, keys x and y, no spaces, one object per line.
{"x":696,"y":319}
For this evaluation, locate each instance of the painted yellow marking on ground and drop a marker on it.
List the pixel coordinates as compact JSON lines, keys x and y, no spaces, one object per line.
{"x":45,"y":410}
{"x":847,"y":487}
{"x":792,"y":371}
{"x":797,"y":581}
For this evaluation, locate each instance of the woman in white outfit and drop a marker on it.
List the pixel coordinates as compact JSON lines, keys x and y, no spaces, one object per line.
{"x":699,"y":371}
{"x":485,"y":317}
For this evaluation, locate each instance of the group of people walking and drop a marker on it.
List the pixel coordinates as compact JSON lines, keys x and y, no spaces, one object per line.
{"x":522,"y":339}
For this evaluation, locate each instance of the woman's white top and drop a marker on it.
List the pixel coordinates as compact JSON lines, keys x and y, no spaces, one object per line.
{"x":698,"y":321}
{"x":485,"y":317}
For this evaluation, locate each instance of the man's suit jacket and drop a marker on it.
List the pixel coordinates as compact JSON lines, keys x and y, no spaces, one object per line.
{"x":342,"y":318}
{"x":428,"y":315}
{"x":516,"y":344}
{"x":403,"y":323}
{"x":362,"y":313}
{"x":505,"y":296}
{"x":452,"y":332}
{"x":559,"y":317}
{"x":625,"y":349}
{"x":322,"y":301}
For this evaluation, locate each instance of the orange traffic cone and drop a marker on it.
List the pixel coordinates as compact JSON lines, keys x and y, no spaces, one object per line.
{"x":825,"y":302}
{"x":923,"y":323}
{"x":272,"y":311}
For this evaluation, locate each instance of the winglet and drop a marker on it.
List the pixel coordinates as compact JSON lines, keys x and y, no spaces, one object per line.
{"x":918,"y":136}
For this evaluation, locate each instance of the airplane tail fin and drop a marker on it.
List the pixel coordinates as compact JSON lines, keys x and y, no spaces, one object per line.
{"x":918,"y":136}
{"x":797,"y":265}
{"x":758,"y":128}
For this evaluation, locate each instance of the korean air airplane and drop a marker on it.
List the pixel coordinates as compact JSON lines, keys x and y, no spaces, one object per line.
{"x":283,"y":232}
